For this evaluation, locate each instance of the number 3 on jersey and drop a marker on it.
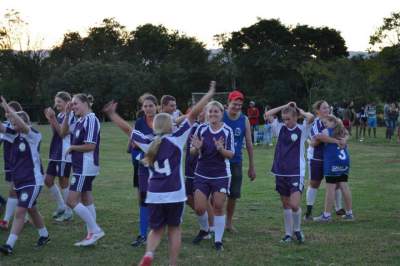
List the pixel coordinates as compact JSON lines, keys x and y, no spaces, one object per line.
{"x":342,"y":155}
{"x":166,"y":170}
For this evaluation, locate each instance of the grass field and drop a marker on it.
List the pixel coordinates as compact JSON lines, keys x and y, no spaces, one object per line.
{"x":373,"y":239}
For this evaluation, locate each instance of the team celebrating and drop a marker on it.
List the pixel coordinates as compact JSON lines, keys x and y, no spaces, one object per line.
{"x":194,"y":158}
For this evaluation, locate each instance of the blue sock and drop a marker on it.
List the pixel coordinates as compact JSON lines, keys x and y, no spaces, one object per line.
{"x":144,"y":220}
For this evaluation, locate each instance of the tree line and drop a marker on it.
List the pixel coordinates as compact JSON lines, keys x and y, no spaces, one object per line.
{"x":270,"y":62}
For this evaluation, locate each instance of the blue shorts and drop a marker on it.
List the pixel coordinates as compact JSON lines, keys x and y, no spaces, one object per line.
{"x":287,"y":185}
{"x":27,"y":196}
{"x":59,"y":168}
{"x":81,"y":183}
{"x":372,"y":122}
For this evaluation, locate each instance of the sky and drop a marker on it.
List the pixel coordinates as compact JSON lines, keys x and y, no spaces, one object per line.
{"x":48,"y":20}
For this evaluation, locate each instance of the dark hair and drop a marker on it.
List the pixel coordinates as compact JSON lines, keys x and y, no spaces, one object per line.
{"x":15,"y":105}
{"x":63,"y":95}
{"x":166,"y":99}
{"x":85,"y":98}
{"x":148,"y":97}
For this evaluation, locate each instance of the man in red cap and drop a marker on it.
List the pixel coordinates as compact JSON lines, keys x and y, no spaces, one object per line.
{"x":240,"y":125}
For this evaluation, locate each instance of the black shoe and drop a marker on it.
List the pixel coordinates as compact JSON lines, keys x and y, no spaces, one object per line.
{"x":340,"y":212}
{"x":43,"y":240}
{"x":219,"y":246}
{"x":200,"y":236}
{"x":6,"y":249}
{"x":139,"y":241}
{"x":299,"y":237}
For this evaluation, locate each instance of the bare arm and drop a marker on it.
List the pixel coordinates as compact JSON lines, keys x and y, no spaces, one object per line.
{"x":196,"y":110}
{"x":12,"y":114}
{"x":308,"y":116}
{"x":276,"y":110}
{"x":110,"y":110}
{"x":249,"y":147}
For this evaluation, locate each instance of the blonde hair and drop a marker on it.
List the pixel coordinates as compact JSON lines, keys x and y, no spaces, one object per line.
{"x":290,"y":110}
{"x":162,"y":124}
{"x":339,"y":131}
{"x":214,"y":104}
{"x":24,"y":116}
{"x":317,"y":105}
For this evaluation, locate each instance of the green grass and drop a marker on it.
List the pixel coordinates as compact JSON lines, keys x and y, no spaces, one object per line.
{"x":374,"y":238}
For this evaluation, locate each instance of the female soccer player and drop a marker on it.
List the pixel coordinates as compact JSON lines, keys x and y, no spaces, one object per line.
{"x":26,"y":176}
{"x":85,"y":165}
{"x":12,"y":200}
{"x":166,"y":190}
{"x":59,"y":164}
{"x":214,"y":144}
{"x":289,"y":164}
{"x":316,"y":158}
{"x":145,"y":126}
{"x":336,"y":169}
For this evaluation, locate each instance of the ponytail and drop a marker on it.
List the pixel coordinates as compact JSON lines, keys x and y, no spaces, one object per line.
{"x":151,"y":154}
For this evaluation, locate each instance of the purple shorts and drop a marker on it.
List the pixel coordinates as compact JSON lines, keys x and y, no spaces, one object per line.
{"x":316,"y":170}
{"x":8,"y":176}
{"x":164,"y":214}
{"x":208,"y":186}
{"x":287,"y":185}
{"x":27,"y":196}
{"x":189,"y":186}
{"x":59,"y":168}
{"x":81,"y":183}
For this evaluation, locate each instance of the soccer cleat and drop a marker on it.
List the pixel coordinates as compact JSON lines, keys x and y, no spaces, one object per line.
{"x":6,"y":249}
{"x":58,"y":213}
{"x":139,"y":241}
{"x":286,"y":239}
{"x":308,"y":217}
{"x":146,"y":261}
{"x":200,"y":236}
{"x":3,"y":225}
{"x":219,"y":246}
{"x":299,"y":237}
{"x":92,"y":238}
{"x":348,"y":217}
{"x":43,"y":240}
{"x":322,"y":218}
{"x":66,"y":216}
{"x":340,"y":212}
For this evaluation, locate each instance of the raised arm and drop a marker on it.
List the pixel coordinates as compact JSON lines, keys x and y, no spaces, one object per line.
{"x":276,"y":110}
{"x":110,"y":110}
{"x":196,"y":110}
{"x":51,"y":117}
{"x":307,"y":115}
{"x":13,"y":115}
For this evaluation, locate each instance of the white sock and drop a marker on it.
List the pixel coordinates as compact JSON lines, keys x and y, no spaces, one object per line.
{"x":92,"y":210}
{"x":296,"y":220}
{"x":349,"y":212}
{"x":10,"y":208}
{"x":149,"y":254}
{"x":338,"y":199}
{"x":219,"y":225}
{"x":327,"y":214}
{"x":65,"y":192}
{"x":311,"y":196}
{"x":211,"y":229}
{"x":288,"y":220}
{"x":43,"y":232}
{"x":86,"y":216}
{"x":56,"y":194}
{"x":203,"y":222}
{"x":11,"y":240}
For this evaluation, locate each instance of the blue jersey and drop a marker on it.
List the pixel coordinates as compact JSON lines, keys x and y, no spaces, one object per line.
{"x":239,"y":131}
{"x":336,"y":160}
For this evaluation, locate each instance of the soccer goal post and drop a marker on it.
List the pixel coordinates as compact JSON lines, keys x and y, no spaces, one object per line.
{"x":222,"y":97}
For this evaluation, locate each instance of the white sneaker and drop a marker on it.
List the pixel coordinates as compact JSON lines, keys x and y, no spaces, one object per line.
{"x":66,"y":216}
{"x":92,"y":239}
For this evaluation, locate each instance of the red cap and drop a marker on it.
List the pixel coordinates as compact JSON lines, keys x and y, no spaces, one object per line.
{"x":235,"y":95}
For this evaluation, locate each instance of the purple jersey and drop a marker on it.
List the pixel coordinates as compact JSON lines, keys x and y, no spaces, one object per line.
{"x":316,"y":153}
{"x":190,"y":160}
{"x":6,"y":149}
{"x":86,"y":131}
{"x":289,"y":151}
{"x":166,"y":182}
{"x":25,"y":158}
{"x":211,"y":164}
{"x":59,"y":145}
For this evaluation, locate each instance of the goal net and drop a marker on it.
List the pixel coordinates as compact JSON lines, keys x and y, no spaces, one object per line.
{"x":222,"y":97}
